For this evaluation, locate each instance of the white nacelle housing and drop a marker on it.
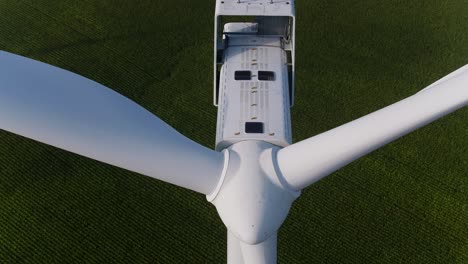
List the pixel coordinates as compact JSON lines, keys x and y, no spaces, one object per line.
{"x":254,"y":70}
{"x":254,"y":99}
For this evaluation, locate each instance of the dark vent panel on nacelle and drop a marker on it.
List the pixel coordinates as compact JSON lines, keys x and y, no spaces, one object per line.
{"x":254,"y":127}
{"x":242,"y":75}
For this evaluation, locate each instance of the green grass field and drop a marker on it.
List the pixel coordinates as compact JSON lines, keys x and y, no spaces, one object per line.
{"x":405,"y":203}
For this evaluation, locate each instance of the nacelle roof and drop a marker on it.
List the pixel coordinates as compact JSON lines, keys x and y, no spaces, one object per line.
{"x":255,"y":8}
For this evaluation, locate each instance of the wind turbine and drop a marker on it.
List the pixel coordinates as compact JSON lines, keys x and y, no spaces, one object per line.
{"x":255,"y":173}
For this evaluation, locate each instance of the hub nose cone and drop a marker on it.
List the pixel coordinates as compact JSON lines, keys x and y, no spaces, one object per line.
{"x":252,"y":201}
{"x":255,"y":218}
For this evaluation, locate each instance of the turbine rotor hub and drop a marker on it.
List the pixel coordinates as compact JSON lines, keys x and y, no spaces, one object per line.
{"x":252,"y":199}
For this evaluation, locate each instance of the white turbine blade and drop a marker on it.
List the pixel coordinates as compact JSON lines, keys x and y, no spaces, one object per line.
{"x":310,"y":160}
{"x":262,"y":253}
{"x":234,"y":251}
{"x":239,"y":252}
{"x":68,"y":111}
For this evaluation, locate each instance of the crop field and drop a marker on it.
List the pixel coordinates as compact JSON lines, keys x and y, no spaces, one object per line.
{"x":405,"y":203}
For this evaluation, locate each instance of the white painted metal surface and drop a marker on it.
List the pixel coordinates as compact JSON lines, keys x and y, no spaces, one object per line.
{"x":254,"y":8}
{"x":239,"y":252}
{"x":253,"y":101}
{"x":273,"y":18}
{"x":70,"y":112}
{"x":234,"y":251}
{"x":241,"y":28}
{"x":261,"y":253}
{"x":253,"y":200}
